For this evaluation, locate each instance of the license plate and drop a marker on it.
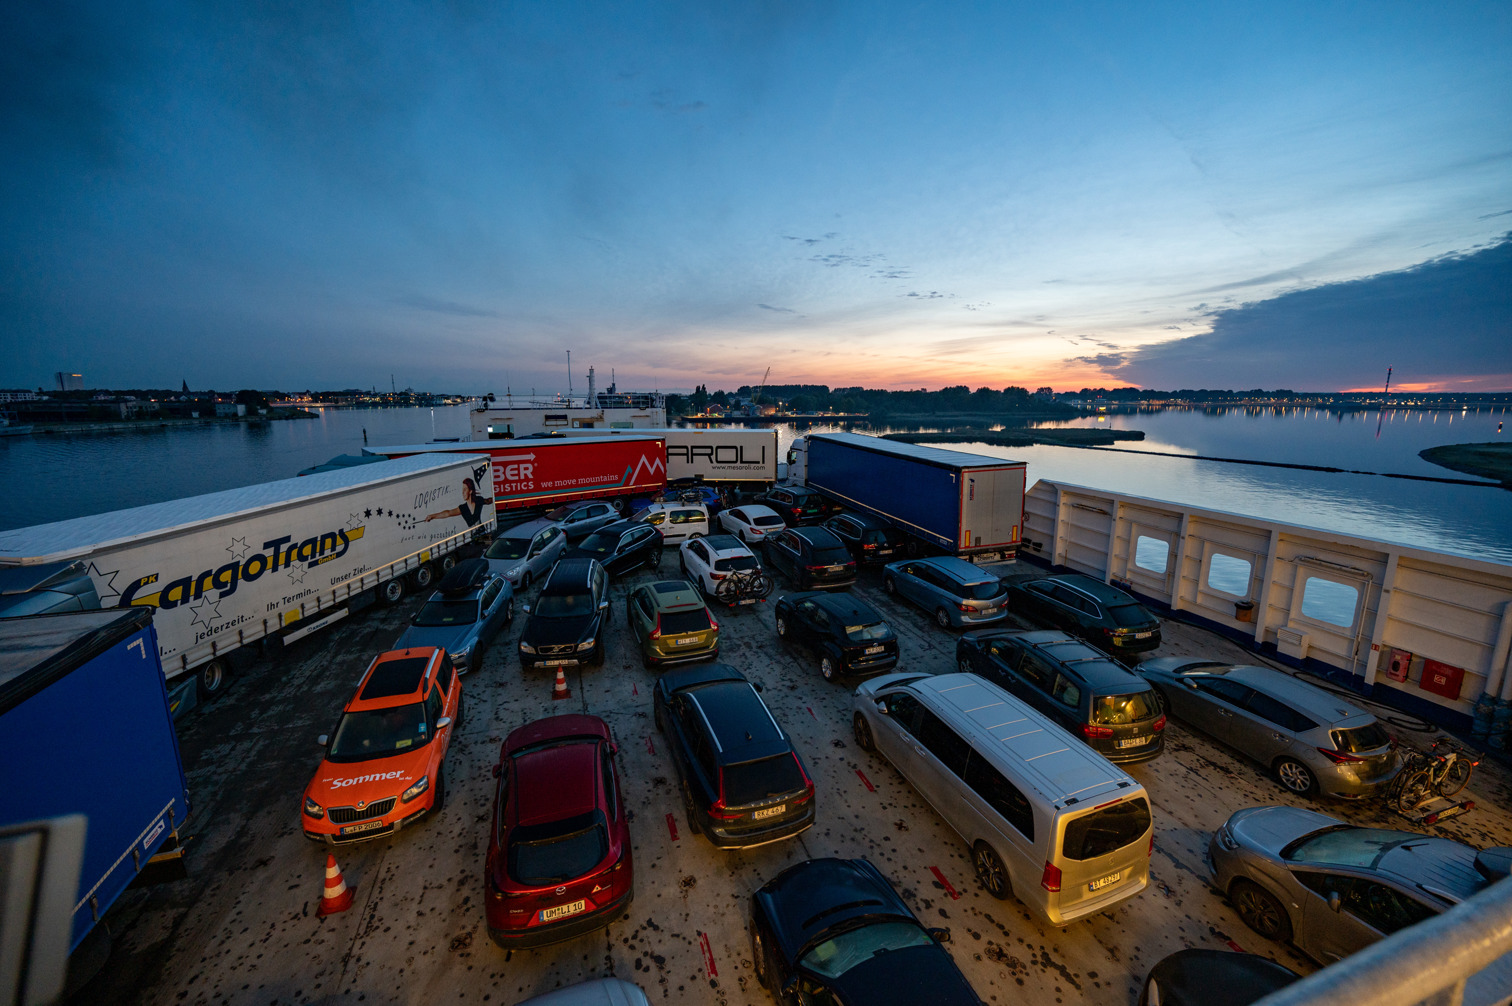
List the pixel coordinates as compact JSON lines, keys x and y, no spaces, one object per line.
{"x":1132,"y":742}
{"x":354,"y":829}
{"x":884,"y":551}
{"x":685,"y":642}
{"x":989,"y":610}
{"x":834,"y":569}
{"x":747,"y":600}
{"x":1098,"y":885}
{"x":562,"y":911}
{"x":982,"y":557}
{"x":769,"y":812}
{"x":565,"y":662}
{"x":873,"y":649}
{"x":1143,"y":635}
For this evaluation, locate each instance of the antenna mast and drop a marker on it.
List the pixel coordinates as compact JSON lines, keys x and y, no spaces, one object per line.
{"x":569,"y":377}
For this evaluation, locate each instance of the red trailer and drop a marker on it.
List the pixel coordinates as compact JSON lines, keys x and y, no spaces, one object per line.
{"x":545,"y":472}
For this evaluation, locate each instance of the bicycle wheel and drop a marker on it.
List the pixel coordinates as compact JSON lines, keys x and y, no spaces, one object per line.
{"x":728,"y":590}
{"x":1414,"y":791}
{"x":761,"y":585}
{"x":1457,"y":778}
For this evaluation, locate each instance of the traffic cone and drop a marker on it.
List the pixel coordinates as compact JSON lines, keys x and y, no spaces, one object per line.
{"x":337,"y":896}
{"x":559,"y":690}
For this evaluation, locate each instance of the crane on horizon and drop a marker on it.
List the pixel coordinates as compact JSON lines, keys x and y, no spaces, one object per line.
{"x":1381,"y":416}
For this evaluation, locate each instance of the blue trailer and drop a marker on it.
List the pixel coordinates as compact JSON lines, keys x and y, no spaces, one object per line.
{"x":966,"y":504}
{"x":86,"y":727}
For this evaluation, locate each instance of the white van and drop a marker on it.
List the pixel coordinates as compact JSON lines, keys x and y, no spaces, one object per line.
{"x":1048,"y":819}
{"x":677,"y":521}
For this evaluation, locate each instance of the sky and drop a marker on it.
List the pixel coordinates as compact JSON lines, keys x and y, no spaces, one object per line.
{"x":896,"y":195}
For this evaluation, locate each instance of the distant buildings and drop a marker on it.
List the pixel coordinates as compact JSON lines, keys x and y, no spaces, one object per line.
{"x":69,"y":382}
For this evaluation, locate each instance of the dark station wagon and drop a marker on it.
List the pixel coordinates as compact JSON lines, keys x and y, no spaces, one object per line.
{"x":849,"y":635}
{"x":811,"y":557}
{"x":1113,"y":709}
{"x":1100,"y":613}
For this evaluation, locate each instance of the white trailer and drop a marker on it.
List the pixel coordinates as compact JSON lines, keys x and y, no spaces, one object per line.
{"x":271,"y":562}
{"x":696,"y":455}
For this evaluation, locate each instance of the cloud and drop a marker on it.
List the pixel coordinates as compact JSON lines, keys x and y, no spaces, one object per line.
{"x":781,"y":310}
{"x":1446,"y":320}
{"x":423,"y":303}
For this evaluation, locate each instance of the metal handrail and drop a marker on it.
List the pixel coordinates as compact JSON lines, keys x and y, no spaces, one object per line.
{"x":1428,"y":963}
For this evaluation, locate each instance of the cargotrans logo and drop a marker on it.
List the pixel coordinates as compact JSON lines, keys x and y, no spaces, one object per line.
{"x":372,"y":777}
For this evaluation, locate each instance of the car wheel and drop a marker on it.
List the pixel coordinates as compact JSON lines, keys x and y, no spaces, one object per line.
{"x":828,"y":667}
{"x":422,"y":576}
{"x":889,"y":585}
{"x":440,"y":801}
{"x":1296,"y":777}
{"x":759,"y":958}
{"x":461,"y":714}
{"x":862,"y":731}
{"x":659,"y":718}
{"x":682,"y":564}
{"x":690,"y":810}
{"x":781,"y":627}
{"x":1261,"y":910}
{"x":942,"y":619}
{"x":392,"y":591}
{"x":964,"y":666}
{"x":525,"y":581}
{"x":991,"y":872}
{"x":212,"y":679}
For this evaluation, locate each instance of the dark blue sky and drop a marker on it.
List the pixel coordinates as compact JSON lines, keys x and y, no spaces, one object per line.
{"x":901,"y":195}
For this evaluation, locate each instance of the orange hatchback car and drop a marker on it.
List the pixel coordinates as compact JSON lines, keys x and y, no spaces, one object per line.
{"x":385,"y":765}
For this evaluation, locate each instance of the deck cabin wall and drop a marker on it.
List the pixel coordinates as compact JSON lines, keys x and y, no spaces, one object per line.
{"x":1371,"y":614}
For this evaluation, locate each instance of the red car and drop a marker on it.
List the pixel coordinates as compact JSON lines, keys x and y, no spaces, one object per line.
{"x":559,"y":853}
{"x":385,"y":764}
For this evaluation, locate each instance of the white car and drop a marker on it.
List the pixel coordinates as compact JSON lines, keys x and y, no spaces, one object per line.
{"x":676,"y":521}
{"x":706,"y":561}
{"x":751,"y":523}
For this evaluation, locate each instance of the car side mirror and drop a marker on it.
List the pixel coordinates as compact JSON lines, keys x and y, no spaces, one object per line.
{"x":790,"y":987}
{"x":1189,"y":683}
{"x":758,"y":686}
{"x":1334,"y":901}
{"x":414,"y":618}
{"x":323,"y":740}
{"x":497,"y":770}
{"x":603,"y":606}
{"x":443,"y":723}
{"x":613,"y":748}
{"x":939,"y":935}
{"x":882,"y":707}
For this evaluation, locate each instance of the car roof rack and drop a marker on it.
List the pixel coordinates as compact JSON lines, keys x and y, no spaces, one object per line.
{"x":464,"y":576}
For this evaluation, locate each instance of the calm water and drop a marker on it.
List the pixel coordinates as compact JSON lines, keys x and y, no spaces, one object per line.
{"x":43,"y":474}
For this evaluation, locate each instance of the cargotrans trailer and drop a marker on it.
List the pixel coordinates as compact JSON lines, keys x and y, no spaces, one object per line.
{"x":270,"y":562}
{"x":969,"y":505}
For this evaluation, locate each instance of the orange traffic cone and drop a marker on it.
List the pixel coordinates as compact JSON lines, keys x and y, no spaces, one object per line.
{"x":559,"y":690}
{"x":337,"y":896}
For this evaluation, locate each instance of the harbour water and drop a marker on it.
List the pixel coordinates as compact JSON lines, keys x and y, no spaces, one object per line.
{"x":54,"y":477}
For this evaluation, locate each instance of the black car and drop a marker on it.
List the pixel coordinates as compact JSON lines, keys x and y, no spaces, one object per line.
{"x":811,"y":557}
{"x":621,"y":547}
{"x":567,"y":623}
{"x":835,"y":931}
{"x":849,"y":635}
{"x":743,"y":782}
{"x":1100,"y":613}
{"x":1110,"y":707}
{"x":795,"y":504}
{"x":871,"y":540}
{"x":1197,"y":977}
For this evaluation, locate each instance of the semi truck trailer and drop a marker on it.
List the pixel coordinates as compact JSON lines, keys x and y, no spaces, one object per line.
{"x":741,"y":459}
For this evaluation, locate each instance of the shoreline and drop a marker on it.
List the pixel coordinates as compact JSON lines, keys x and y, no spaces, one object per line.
{"x":129,"y":425}
{"x":1491,"y":460}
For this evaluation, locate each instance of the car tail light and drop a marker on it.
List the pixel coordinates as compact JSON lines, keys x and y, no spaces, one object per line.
{"x":816,"y":569}
{"x":808,"y":793}
{"x":965,"y":607}
{"x":869,"y":548}
{"x":1151,"y":850}
{"x":656,"y":631}
{"x":1159,"y":723}
{"x":1094,"y":732}
{"x":716,"y":576}
{"x":717,"y":809}
{"x":1051,"y":879}
{"x":712,"y":624}
{"x":1339,"y":757}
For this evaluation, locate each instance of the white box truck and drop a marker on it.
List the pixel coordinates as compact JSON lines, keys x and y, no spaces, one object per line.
{"x":746,"y":459}
{"x":271,"y":562}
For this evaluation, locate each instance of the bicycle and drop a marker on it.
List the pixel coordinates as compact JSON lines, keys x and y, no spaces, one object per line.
{"x":1433,"y":773}
{"x":744,"y":587}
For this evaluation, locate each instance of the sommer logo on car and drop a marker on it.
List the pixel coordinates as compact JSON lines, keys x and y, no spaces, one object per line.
{"x":371,"y":777}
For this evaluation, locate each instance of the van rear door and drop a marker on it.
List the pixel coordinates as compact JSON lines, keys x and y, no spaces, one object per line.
{"x":1102,"y":854}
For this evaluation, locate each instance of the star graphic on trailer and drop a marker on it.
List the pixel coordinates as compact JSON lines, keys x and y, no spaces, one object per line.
{"x":353,"y":522}
{"x":297,"y":573}
{"x":238,"y":548}
{"x":205,"y":611}
{"x":368,"y":512}
{"x":105,"y":585}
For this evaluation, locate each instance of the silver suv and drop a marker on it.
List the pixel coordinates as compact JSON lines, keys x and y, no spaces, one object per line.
{"x":526,"y":551}
{"x":958,"y":593}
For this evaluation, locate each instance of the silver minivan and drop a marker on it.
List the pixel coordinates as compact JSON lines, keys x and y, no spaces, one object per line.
{"x":1048,"y":820}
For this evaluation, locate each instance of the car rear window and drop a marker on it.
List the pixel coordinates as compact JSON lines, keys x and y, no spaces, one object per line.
{"x":984,"y":591}
{"x":600,"y":543}
{"x":831,"y":556}
{"x":767,"y":520}
{"x":874,"y":537}
{"x":735,"y":563}
{"x":862,"y":633}
{"x":752,"y":781}
{"x":1357,"y":739}
{"x":508,"y":548}
{"x":557,"y":852}
{"x":672,"y":623}
{"x":1129,"y":616}
{"x":1106,"y":830}
{"x":1116,"y":709}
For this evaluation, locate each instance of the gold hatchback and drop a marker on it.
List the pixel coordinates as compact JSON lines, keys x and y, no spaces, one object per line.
{"x":672,"y":623}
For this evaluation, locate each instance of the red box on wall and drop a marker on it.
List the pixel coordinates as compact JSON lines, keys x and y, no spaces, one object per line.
{"x":1441,"y":679}
{"x":1400,"y":664}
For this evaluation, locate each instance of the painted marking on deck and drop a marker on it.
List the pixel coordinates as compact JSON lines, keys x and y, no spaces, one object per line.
{"x":672,"y":827}
{"x":954,"y":894}
{"x":811,"y":712}
{"x":866,"y":782}
{"x":703,"y":939}
{"x":634,"y":689}
{"x":650,"y":748}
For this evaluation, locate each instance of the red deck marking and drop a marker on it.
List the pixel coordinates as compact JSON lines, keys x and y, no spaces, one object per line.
{"x":672,"y":827}
{"x":954,"y":894}
{"x":1236,"y":948}
{"x":866,"y":782}
{"x":811,"y":711}
{"x":650,"y":748}
{"x":708,"y":956}
{"x":634,"y":689}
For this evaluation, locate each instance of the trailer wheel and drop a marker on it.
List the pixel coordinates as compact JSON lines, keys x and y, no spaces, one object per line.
{"x":422,"y":576}
{"x":392,"y":591}
{"x":618,"y":503}
{"x":212,"y":678}
{"x":448,"y":561}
